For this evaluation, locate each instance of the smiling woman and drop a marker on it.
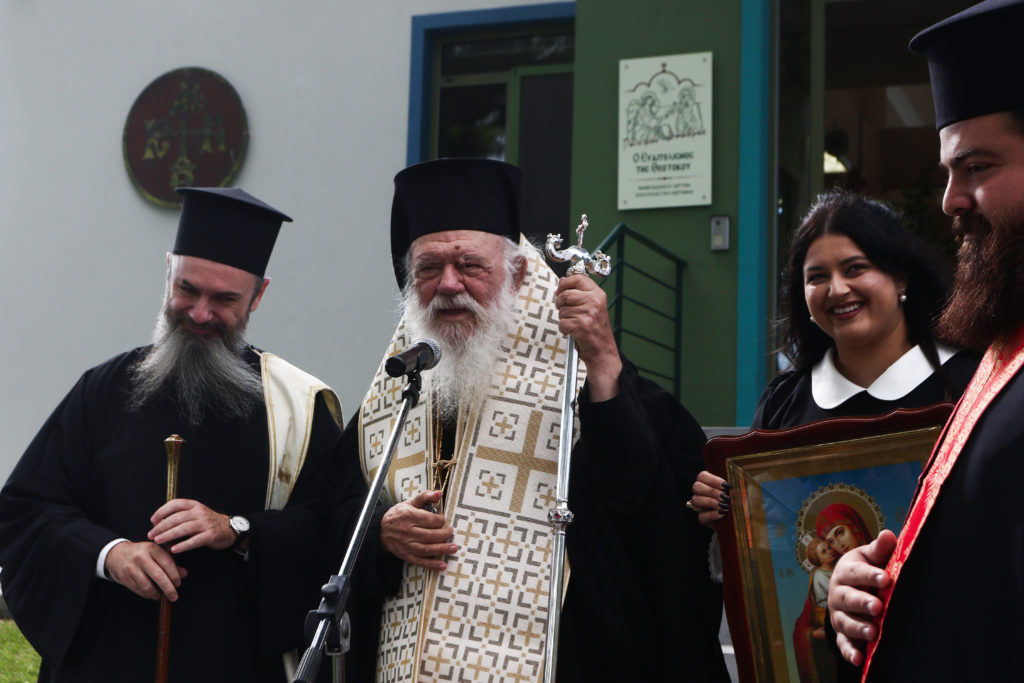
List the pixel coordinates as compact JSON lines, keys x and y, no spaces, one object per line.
{"x":858,"y":305}
{"x":861,"y":297}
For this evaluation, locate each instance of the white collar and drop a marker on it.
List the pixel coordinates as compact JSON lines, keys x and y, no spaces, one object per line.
{"x":830,"y":389}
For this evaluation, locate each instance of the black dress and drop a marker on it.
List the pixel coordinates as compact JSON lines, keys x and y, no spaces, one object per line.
{"x":790,"y":399}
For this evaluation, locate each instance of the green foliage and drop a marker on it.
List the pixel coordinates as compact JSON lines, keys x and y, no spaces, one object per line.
{"x":19,"y":663}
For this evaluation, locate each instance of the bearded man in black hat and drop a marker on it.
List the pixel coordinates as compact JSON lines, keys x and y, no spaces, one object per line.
{"x":88,"y":541}
{"x":467,"y":586}
{"x":943,"y":601}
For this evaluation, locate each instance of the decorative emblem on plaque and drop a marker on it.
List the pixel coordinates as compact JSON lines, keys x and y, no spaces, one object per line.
{"x":187,"y":128}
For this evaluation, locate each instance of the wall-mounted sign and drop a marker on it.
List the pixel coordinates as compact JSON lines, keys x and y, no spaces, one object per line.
{"x":187,"y":128}
{"x":665,"y":131}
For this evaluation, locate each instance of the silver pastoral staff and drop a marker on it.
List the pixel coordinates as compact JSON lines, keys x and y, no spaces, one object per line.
{"x":561,"y":516}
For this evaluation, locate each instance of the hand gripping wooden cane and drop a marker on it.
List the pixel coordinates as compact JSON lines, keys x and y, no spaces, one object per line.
{"x":561,"y":516}
{"x":173,"y":445}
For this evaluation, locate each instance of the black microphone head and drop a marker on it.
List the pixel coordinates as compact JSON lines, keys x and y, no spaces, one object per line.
{"x":423,"y":354}
{"x":435,"y":353}
{"x":395,"y":366}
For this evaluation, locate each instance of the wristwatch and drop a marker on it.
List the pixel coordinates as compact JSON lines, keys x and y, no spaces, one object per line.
{"x":240,"y":525}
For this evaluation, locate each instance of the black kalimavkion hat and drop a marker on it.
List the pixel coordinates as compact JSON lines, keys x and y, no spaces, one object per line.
{"x":453,"y":194}
{"x":974,"y":61}
{"x":227,"y":225}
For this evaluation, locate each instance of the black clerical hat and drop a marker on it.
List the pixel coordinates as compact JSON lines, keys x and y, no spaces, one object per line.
{"x":227,"y":225}
{"x":453,"y":194}
{"x":974,"y":61}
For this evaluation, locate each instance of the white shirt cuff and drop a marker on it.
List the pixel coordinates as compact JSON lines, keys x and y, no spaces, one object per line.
{"x":100,"y":572}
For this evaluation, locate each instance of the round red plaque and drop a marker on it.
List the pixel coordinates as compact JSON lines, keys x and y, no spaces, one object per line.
{"x":187,"y":128}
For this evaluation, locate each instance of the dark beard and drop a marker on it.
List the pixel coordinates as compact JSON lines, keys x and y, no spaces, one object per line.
{"x":202,"y":375}
{"x":987,"y":303}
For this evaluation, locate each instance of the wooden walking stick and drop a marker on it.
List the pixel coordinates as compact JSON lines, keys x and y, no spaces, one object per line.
{"x":173,"y":445}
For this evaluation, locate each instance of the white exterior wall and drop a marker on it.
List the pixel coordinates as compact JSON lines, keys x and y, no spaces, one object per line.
{"x":325,"y":86}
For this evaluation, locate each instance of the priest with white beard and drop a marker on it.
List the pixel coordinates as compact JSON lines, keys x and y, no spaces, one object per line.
{"x":461,"y":560}
{"x":88,"y":541}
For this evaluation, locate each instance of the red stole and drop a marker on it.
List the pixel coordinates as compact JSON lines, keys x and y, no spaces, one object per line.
{"x":1000,"y":363}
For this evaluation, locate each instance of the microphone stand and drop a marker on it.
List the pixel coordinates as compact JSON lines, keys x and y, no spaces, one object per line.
{"x":332,"y":634}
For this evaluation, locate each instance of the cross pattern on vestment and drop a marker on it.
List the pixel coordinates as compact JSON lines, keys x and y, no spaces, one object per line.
{"x":518,"y":337}
{"x":376,"y":443}
{"x":490,"y":484}
{"x":540,"y":596}
{"x":400,"y":464}
{"x":454,"y":575}
{"x":478,"y":669}
{"x":528,"y":300}
{"x":496,"y":583}
{"x":449,"y":616}
{"x":558,"y":347}
{"x":504,"y":425}
{"x":546,"y":496}
{"x":544,"y":548}
{"x":518,"y":674}
{"x":545,"y":383}
{"x":434,"y":658}
{"x":528,"y":635}
{"x":524,"y":462}
{"x":412,"y":432}
{"x":505,"y":542}
{"x":510,"y":373}
{"x":472,"y":537}
{"x":489,"y":626}
{"x":395,"y":390}
{"x":410,"y":489}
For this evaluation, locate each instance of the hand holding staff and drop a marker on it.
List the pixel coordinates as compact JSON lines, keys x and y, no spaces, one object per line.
{"x":561,"y":516}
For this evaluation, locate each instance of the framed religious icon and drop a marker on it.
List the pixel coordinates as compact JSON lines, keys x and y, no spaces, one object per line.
{"x":801,"y":498}
{"x":186,"y":128}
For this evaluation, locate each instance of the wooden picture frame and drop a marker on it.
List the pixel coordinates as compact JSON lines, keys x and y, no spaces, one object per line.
{"x":844,"y":478}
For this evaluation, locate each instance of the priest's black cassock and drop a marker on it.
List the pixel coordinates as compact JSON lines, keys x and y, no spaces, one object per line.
{"x":96,"y":472}
{"x":962,"y":588}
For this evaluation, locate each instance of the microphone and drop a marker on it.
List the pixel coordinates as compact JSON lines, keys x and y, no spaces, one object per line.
{"x":422,"y":355}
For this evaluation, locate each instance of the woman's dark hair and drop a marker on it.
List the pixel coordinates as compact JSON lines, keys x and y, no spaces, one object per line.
{"x":876,"y":229}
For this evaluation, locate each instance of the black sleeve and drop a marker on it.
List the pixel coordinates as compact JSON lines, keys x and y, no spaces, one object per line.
{"x":766,"y":416}
{"x":634,"y":439}
{"x":48,"y":544}
{"x":637,"y":556}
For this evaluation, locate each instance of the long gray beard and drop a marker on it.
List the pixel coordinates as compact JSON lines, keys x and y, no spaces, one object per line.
{"x":468,"y":356}
{"x":203,"y":375}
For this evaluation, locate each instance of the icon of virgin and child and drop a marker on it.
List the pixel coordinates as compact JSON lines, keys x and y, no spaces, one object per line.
{"x":838,"y":528}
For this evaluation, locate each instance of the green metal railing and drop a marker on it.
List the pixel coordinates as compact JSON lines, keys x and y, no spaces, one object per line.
{"x":661,"y":275}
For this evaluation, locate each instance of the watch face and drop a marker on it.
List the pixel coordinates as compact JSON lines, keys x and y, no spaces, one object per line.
{"x":239,"y":524}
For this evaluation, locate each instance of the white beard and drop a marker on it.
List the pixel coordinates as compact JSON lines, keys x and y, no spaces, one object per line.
{"x":468,"y":352}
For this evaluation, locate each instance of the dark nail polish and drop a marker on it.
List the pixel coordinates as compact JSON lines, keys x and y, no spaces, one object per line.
{"x":723,"y":509}
{"x":724,"y":497}
{"x":726,"y":486}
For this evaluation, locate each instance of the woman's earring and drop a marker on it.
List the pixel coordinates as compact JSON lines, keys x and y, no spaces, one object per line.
{"x":903,"y":296}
